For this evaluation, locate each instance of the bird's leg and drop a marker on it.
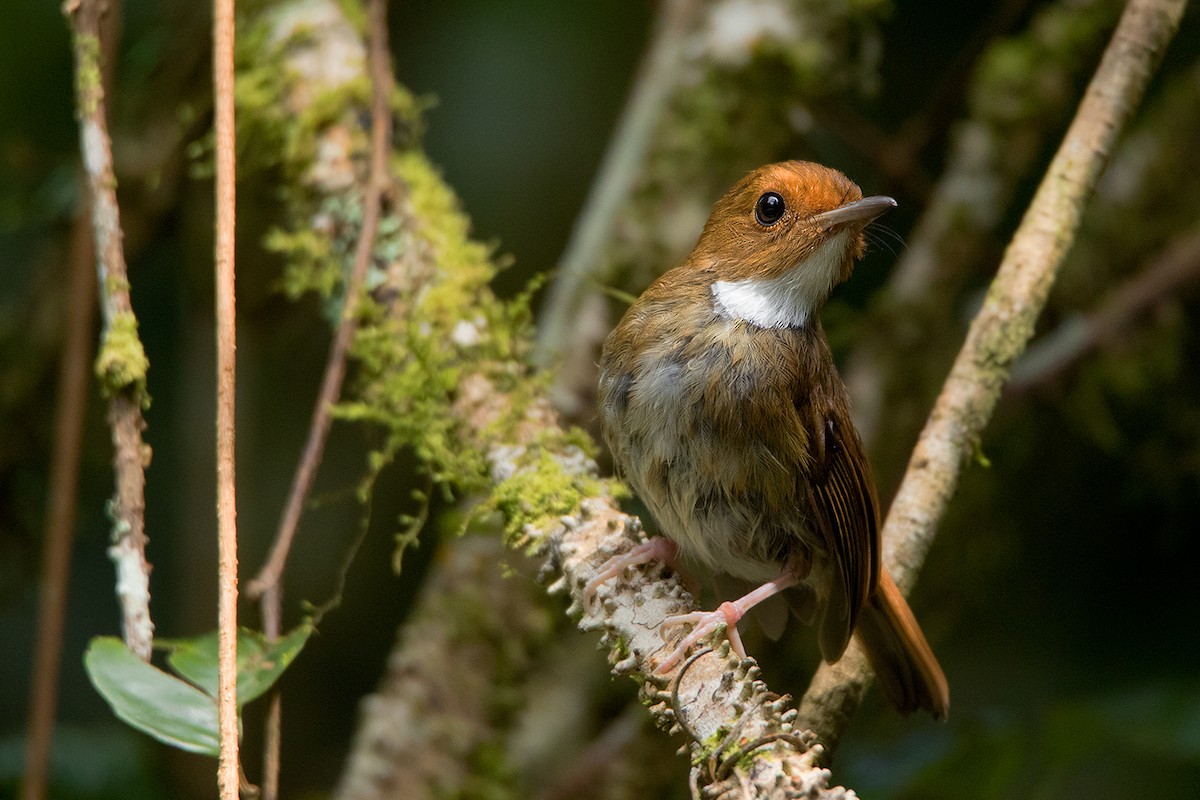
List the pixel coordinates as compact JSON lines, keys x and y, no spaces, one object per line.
{"x":728,"y":614}
{"x":657,"y":548}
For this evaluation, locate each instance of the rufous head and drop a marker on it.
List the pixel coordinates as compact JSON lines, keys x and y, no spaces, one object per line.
{"x":782,"y":239}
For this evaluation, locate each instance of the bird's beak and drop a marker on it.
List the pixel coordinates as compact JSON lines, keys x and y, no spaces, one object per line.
{"x":858,"y":213}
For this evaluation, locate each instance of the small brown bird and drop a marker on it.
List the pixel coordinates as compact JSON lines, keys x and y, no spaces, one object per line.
{"x":723,"y":409}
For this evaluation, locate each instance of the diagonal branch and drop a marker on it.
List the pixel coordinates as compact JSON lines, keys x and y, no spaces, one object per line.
{"x":992,"y":152}
{"x":1002,"y":328}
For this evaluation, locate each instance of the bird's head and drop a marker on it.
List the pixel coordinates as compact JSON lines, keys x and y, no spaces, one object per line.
{"x":782,"y":238}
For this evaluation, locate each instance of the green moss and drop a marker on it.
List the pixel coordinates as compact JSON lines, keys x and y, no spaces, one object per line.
{"x":269,"y":133}
{"x":705,"y":749}
{"x":540,"y":492}
{"x":311,"y":266}
{"x":121,"y":364}
{"x":408,"y":385}
{"x":88,"y":82}
{"x":114,"y":284}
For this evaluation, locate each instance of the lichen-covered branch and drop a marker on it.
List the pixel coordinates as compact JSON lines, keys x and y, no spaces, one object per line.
{"x":121,"y":363}
{"x":441,"y":364}
{"x":1002,"y":328}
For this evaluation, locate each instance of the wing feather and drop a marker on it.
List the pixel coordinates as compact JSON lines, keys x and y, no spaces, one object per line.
{"x":845,"y":512}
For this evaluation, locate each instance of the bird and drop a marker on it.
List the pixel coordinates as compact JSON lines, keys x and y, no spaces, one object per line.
{"x":723,"y":409}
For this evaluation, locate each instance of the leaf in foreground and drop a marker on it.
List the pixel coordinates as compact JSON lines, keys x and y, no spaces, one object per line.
{"x":140,"y":694}
{"x":259,"y":662}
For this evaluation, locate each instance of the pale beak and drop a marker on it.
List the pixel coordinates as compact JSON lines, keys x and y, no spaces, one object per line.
{"x":858,"y":213}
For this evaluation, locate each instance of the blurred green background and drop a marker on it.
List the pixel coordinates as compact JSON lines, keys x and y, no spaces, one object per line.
{"x":1061,"y":595}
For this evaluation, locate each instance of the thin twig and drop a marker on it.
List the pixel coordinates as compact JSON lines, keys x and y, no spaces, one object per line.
{"x":1059,"y":350}
{"x":268,"y":583}
{"x":228,"y":775}
{"x":1001,"y":330}
{"x":121,"y":364}
{"x":58,"y":538}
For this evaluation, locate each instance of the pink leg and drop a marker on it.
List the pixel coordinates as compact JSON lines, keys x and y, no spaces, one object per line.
{"x":658,"y":548}
{"x":728,"y":614}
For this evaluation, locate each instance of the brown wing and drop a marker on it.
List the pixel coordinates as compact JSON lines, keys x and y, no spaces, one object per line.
{"x":845,"y":514}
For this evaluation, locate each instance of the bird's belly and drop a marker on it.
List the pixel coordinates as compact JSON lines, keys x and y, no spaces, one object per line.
{"x":708,"y":458}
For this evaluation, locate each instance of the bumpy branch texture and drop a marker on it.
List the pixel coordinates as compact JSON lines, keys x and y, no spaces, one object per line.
{"x":442,"y":372}
{"x":1002,"y":328}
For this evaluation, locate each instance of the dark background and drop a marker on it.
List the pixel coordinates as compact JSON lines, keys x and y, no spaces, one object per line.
{"x":1060,"y":595}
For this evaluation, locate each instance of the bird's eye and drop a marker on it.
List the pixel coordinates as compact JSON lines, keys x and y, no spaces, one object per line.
{"x":769,"y":209}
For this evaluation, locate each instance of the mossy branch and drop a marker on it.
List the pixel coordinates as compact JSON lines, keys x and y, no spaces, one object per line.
{"x":121,"y":363}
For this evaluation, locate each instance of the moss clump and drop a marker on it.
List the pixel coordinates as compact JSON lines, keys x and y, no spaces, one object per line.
{"x":88,"y":83}
{"x":121,"y":364}
{"x":407,"y":386}
{"x":543,"y":488}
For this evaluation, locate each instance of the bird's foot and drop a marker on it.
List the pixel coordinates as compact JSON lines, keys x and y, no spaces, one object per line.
{"x":727,"y":614}
{"x":657,"y":548}
{"x":706,"y":623}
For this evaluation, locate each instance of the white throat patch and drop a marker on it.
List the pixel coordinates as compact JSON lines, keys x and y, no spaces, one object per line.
{"x":789,"y":300}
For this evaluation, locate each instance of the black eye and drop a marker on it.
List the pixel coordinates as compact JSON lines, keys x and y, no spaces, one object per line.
{"x":769,"y":209}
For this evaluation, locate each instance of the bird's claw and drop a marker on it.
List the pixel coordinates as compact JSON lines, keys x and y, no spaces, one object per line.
{"x":706,"y":623}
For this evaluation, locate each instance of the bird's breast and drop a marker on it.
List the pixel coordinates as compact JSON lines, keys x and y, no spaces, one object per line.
{"x":701,"y":416}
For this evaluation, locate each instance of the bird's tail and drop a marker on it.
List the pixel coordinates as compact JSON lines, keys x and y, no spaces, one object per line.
{"x":908,"y":671}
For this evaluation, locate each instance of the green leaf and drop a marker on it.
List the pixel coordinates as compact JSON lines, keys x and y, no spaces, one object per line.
{"x":260,"y":663}
{"x":150,"y":700}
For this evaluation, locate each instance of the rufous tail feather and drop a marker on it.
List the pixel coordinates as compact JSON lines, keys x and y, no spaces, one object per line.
{"x":909,"y":674}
